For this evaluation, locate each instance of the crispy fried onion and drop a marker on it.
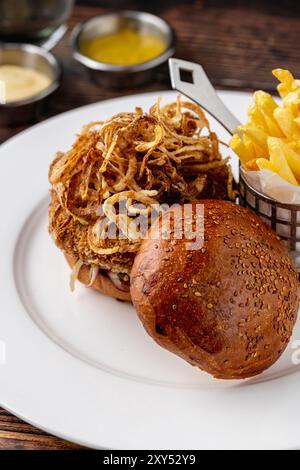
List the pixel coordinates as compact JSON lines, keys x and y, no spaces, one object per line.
{"x":75,"y":273}
{"x":168,"y":155}
{"x":94,"y":271}
{"x":121,"y":227}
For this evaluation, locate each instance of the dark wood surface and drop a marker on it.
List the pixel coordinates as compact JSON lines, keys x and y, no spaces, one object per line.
{"x":237,"y":42}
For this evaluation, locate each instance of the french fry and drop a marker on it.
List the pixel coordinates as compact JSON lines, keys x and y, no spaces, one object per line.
{"x":292,"y":157}
{"x":286,"y":79}
{"x":273,"y":128}
{"x":277,"y":157}
{"x":283,"y":75}
{"x":285,"y":120}
{"x":292,"y":101}
{"x":251,"y":165}
{"x":239,"y":148}
{"x":257,"y":117}
{"x":265,"y":102}
{"x":294,"y":145}
{"x":267,"y":105}
{"x":252,"y":149}
{"x":257,"y":135}
{"x":264,"y":164}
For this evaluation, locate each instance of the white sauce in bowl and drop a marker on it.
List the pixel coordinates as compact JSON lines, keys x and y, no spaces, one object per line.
{"x":19,"y":83}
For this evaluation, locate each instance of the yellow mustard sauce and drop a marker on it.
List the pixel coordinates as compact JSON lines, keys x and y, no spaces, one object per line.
{"x":19,"y":83}
{"x":125,"y":47}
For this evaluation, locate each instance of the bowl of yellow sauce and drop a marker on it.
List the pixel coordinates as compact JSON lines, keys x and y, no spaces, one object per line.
{"x":28,"y":75}
{"x":124,"y":48}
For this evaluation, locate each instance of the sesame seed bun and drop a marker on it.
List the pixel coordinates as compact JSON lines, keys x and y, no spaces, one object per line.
{"x":102,"y":282}
{"x":228,"y":308}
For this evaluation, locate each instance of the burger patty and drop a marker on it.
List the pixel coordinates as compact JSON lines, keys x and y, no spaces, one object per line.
{"x":71,"y":237}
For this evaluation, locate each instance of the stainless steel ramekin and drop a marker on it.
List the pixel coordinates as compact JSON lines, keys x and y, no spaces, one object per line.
{"x":119,"y":76}
{"x":28,"y":55}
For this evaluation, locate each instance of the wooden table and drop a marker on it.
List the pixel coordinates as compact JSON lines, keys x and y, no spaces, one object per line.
{"x":237,"y":42}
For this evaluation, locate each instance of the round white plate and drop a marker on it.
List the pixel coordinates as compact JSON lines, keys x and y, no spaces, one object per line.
{"x":80,"y":365}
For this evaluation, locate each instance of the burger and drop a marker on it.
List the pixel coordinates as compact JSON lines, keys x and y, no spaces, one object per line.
{"x":136,"y":161}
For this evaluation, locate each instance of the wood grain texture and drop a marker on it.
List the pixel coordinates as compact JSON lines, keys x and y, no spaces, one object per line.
{"x":15,"y":434}
{"x":238,"y":43}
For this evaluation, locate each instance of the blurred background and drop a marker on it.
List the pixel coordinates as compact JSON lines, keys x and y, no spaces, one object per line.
{"x":238,"y":42}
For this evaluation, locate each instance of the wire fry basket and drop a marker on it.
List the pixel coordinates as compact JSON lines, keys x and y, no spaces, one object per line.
{"x":283,"y":218}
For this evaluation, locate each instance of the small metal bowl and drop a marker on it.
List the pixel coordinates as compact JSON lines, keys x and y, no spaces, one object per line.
{"x":34,"y":57}
{"x":122,"y":76}
{"x":32,"y":19}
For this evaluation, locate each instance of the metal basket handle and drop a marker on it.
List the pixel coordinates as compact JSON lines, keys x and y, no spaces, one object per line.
{"x":198,"y":88}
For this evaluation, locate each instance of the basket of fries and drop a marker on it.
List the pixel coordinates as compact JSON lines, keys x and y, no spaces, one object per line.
{"x":268,"y":146}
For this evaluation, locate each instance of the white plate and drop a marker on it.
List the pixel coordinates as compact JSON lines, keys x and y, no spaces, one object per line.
{"x":80,"y":365}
